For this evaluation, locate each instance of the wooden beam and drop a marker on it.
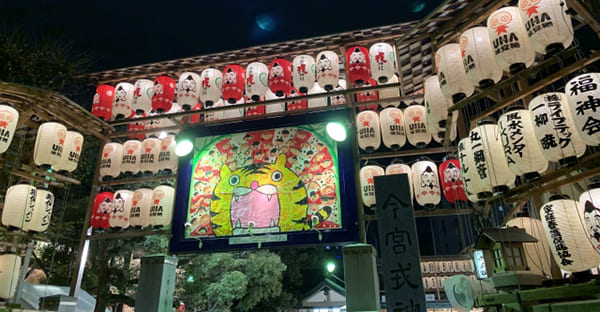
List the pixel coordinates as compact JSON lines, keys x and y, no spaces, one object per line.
{"x":431,"y":213}
{"x":128,"y":234}
{"x":409,"y":152}
{"x":139,"y":180}
{"x":587,"y":16}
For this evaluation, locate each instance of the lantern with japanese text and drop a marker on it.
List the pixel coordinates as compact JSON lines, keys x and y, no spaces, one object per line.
{"x":368,"y":130}
{"x":254,"y":110}
{"x":188,"y":92}
{"x":318,"y":101}
{"x":478,"y":58}
{"x":130,"y":162}
{"x":339,"y":99}
{"x":452,"y":183}
{"x":488,"y":154}
{"x":398,"y":168}
{"x":435,"y":102}
{"x":303,"y":73}
{"x":139,"y":215}
{"x":393,"y":133}
{"x":102,"y":210}
{"x":390,"y":92}
{"x":121,"y":209}
{"x":167,"y":160}
{"x":367,"y":183}
{"x":142,"y":96}
{"x":475,"y":179}
{"x":161,"y":211}
{"x":328,"y":70}
{"x":19,"y":204}
{"x":280,"y":76}
{"x":426,"y":183}
{"x":149,"y":155}
{"x":234,"y":79}
{"x":510,"y":43}
{"x":583,"y":94}
{"x":123,"y":100}
{"x":9,"y":117}
{"x":538,"y":254}
{"x":554,"y":130}
{"x":295,"y":104}
{"x":257,"y":80}
{"x":589,"y":214}
{"x":137,"y":126}
{"x":274,"y":108}
{"x":451,"y":73}
{"x":358,"y":65}
{"x":548,"y":24}
{"x":71,"y":152}
{"x":210,"y":86}
{"x":163,"y":94}
{"x":103,"y":100}
{"x":415,"y":124}
{"x":382,"y":61}
{"x":369,"y":95}
{"x":40,"y":218}
{"x":566,"y":234}
{"x":110,"y":163}
{"x":49,"y":144}
{"x":10,"y":266}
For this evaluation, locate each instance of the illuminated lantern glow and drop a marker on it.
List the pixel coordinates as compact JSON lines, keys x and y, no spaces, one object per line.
{"x":452,"y":183}
{"x":40,"y":218}
{"x":188,"y":92}
{"x":539,"y":256}
{"x":10,"y":266}
{"x":167,"y":160}
{"x":163,"y":94}
{"x":139,"y":215}
{"x":71,"y":152}
{"x":383,"y":61}
{"x":149,"y":155}
{"x":478,"y":58}
{"x":569,"y":242}
{"x":277,"y":107}
{"x":9,"y":117}
{"x":393,"y":133}
{"x":328,"y":70}
{"x":210,"y":86}
{"x":415,"y":124}
{"x":548,"y":25}
{"x":388,"y":93}
{"x":234,"y":79}
{"x":142,"y":96}
{"x":110,"y":162}
{"x":368,"y":131}
{"x":510,"y":42}
{"x":396,"y":168}
{"x":161,"y":211}
{"x":123,"y":100}
{"x":257,"y":81}
{"x":137,"y":126}
{"x":523,"y":154}
{"x":488,"y":154}
{"x":550,"y":111}
{"x":451,"y":73}
{"x":102,"y":103}
{"x":130,"y":162}
{"x":102,"y":210}
{"x":49,"y":144}
{"x":339,"y":99}
{"x":195,"y":118}
{"x":583,"y":94}
{"x":234,"y":113}
{"x":426,"y":183}
{"x":19,"y":204}
{"x":358,"y":65}
{"x":121,"y":209}
{"x":436,"y":103}
{"x":589,"y":214}
{"x":280,"y":76}
{"x":303,"y":73}
{"x":296,"y":104}
{"x":438,"y":133}
{"x":317,"y":102}
{"x":476,"y":181}
{"x":369,"y":95}
{"x":214,"y":116}
{"x":254,"y":110}
{"x":367,"y":183}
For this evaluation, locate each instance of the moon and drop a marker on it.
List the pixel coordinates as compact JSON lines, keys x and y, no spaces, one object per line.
{"x":265,"y":22}
{"x":418,"y":6}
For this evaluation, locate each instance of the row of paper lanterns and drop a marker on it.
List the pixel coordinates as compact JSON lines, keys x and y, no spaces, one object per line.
{"x":27,"y":208}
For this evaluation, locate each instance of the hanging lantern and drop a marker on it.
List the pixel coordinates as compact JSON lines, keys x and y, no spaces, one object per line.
{"x":71,"y":152}
{"x":101,"y":210}
{"x":548,"y":24}
{"x":167,"y":160}
{"x":538,"y":255}
{"x":328,"y":70}
{"x":451,"y":73}
{"x":103,"y":100}
{"x":367,"y":183}
{"x":121,"y":208}
{"x":382,"y":62}
{"x":167,"y":122}
{"x":280,"y":77}
{"x":149,"y":155}
{"x":213,"y":116}
{"x":303,"y":73}
{"x":139,"y":216}
{"x":476,"y":180}
{"x":523,"y":153}
{"x":369,"y":95}
{"x":367,"y":130}
{"x":438,"y":133}
{"x":566,"y":234}
{"x":161,"y":211}
{"x":478,"y":58}
{"x":488,"y":154}
{"x":49,"y":144}
{"x":254,"y":110}
{"x":195,"y":118}
{"x":110,"y":163}
{"x":512,"y":49}
{"x":210,"y":86}
{"x":142,"y":96}
{"x":19,"y":204}
{"x":257,"y":76}
{"x":234,"y":77}
{"x":589,"y":214}
{"x":137,"y":126}
{"x":387,"y":93}
{"x":9,"y":117}
{"x":554,"y":130}
{"x":163,"y":94}
{"x":319,"y":101}
{"x":42,"y":212}
{"x":339,"y":99}
{"x":583,"y":95}
{"x":130,"y":162}
{"x":295,"y":104}
{"x":426,"y":183}
{"x":10,"y":266}
{"x":395,"y":168}
{"x":358,"y":65}
{"x":189,"y":89}
{"x":123,"y":100}
{"x":415,"y":123}
{"x":151,"y":123}
{"x":436,"y":103}
{"x":452,"y":183}
{"x":234,"y":113}
{"x":393,"y":133}
{"x":274,"y":108}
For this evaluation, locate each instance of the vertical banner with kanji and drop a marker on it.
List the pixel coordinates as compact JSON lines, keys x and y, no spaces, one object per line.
{"x":399,"y":247}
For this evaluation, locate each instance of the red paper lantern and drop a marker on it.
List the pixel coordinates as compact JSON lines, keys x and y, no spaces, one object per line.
{"x":296,"y":105}
{"x":102,"y":107}
{"x":234,"y":77}
{"x":368,"y":96}
{"x":254,"y":110}
{"x":164,"y":94}
{"x":280,"y":77}
{"x":195,"y":118}
{"x":452,"y":183}
{"x":358,"y":65}
{"x":101,"y":211}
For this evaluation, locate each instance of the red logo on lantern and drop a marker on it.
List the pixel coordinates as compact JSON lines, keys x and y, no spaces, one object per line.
{"x":463,"y":44}
{"x":6,"y":117}
{"x":530,"y":6}
{"x":78,"y":142}
{"x":500,"y":21}
{"x":157,"y":196}
{"x":61,"y":134}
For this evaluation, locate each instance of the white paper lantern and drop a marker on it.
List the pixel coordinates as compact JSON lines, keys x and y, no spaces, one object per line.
{"x":554,"y":130}
{"x":130,"y":161}
{"x":488,"y":154}
{"x":388,"y":93}
{"x":110,"y":163}
{"x":539,"y":256}
{"x":19,"y":204}
{"x":478,"y":58}
{"x":188,"y":91}
{"x":163,"y":200}
{"x":328,"y":70}
{"x":339,"y":99}
{"x":149,"y":155}
{"x":451,"y":73}
{"x":214,"y":116}
{"x":436,"y":103}
{"x":583,"y":94}
{"x":9,"y":117}
{"x":123,"y":100}
{"x":510,"y":42}
{"x":10,"y":265}
{"x":257,"y":75}
{"x":401,"y":169}
{"x":393,"y":133}
{"x":438,"y":133}
{"x":523,"y":153}
{"x":382,"y":62}
{"x":303,"y":72}
{"x":139,"y":215}
{"x":274,"y":108}
{"x":319,"y":101}
{"x":476,"y":180}
{"x":566,"y":234}
{"x":167,"y":160}
{"x":142,"y":96}
{"x":71,"y":152}
{"x":367,"y":183}
{"x":368,"y":130}
{"x":210,"y":86}
{"x":49,"y":144}
{"x":40,"y":218}
{"x":547,"y":23}
{"x":426,"y":182}
{"x":121,"y":209}
{"x":234,"y":113}
{"x":589,"y":214}
{"x":415,"y":124}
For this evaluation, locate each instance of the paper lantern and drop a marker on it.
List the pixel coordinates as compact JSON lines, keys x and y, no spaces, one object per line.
{"x":368,"y":130}
{"x":19,"y":204}
{"x":295,"y":104}
{"x":234,"y":113}
{"x":274,"y":108}
{"x":318,"y":101}
{"x":358,"y":65}
{"x":139,"y":215}
{"x":210,"y":86}
{"x":436,"y":103}
{"x":164,"y":123}
{"x":213,"y":116}
{"x":149,"y":155}
{"x":452,"y":183}
{"x":328,"y":70}
{"x":151,"y":124}
{"x":303,"y":73}
{"x":538,"y":255}
{"x":10,"y":266}
{"x":556,"y":134}
{"x":40,"y":217}
{"x":102,"y":210}
{"x":395,"y":168}
{"x":589,"y":214}
{"x":438,"y":133}
{"x":478,"y":58}
{"x":393,"y":133}
{"x":130,"y":161}
{"x":254,"y":110}
{"x":121,"y":209}
{"x":142,"y":96}
{"x":566,"y":234}
{"x":392,"y":92}
{"x":167,"y":160}
{"x":102,"y":103}
{"x":49,"y":144}
{"x":510,"y":43}
{"x":188,"y":92}
{"x":382,"y":61}
{"x":339,"y":99}
{"x":161,"y":211}
{"x":451,"y":73}
{"x":476,"y":180}
{"x":369,"y":95}
{"x":110,"y":163}
{"x":367,"y":183}
{"x":548,"y":24}
{"x":195,"y":118}
{"x":523,"y":153}
{"x":583,"y":95}
{"x":257,"y":75}
{"x":163,"y":94}
{"x":280,"y":76}
{"x":234,"y":78}
{"x":71,"y":152}
{"x":415,"y":124}
{"x":488,"y":154}
{"x":137,"y":126}
{"x":9,"y":117}
{"x":123,"y":100}
{"x":426,"y":183}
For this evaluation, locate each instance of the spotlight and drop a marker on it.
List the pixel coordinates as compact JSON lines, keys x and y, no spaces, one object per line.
{"x":183,"y":147}
{"x":336,"y":131}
